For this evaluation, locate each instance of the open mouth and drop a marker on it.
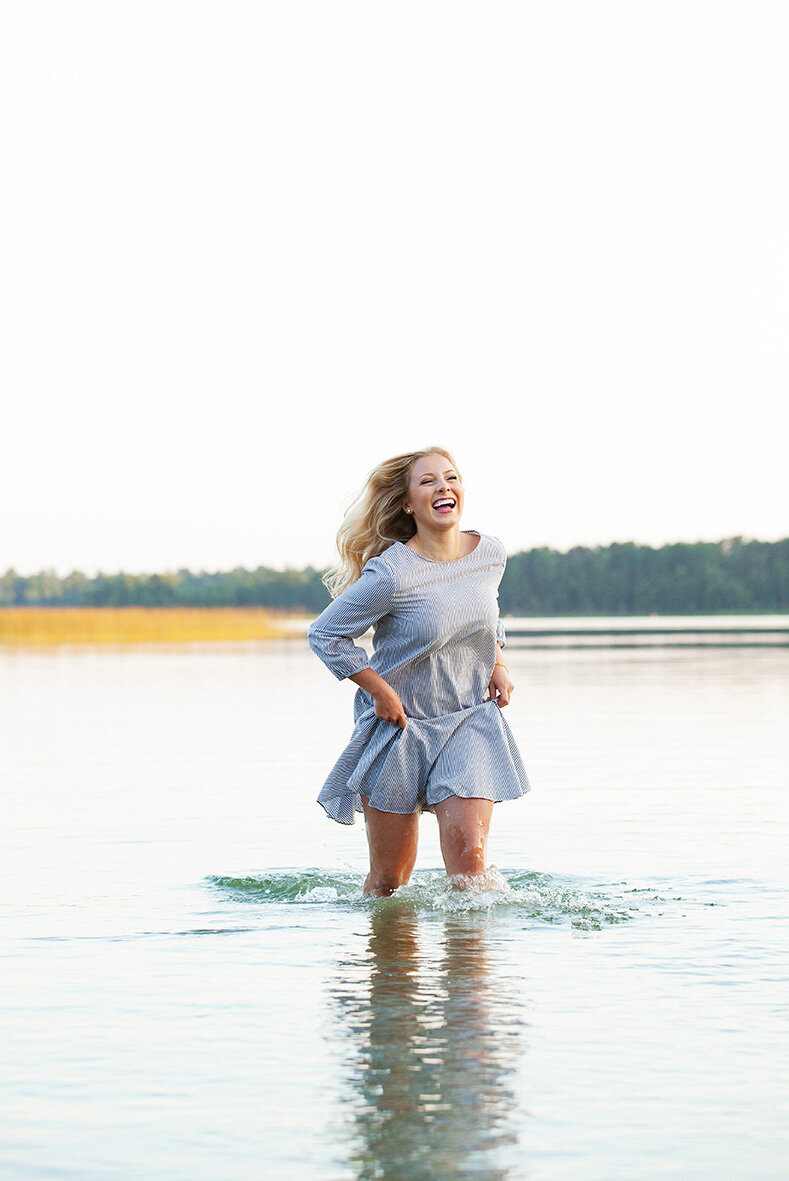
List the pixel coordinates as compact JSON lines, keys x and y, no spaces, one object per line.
{"x":444,"y":505}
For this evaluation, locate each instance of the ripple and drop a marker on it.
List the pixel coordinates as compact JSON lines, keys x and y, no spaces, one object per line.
{"x":537,"y":898}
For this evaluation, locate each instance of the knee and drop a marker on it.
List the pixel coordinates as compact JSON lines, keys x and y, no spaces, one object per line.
{"x":471,"y":860}
{"x":380,"y":885}
{"x":464,"y":849}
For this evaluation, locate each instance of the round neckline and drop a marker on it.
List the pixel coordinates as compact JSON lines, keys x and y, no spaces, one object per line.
{"x":449,"y":561}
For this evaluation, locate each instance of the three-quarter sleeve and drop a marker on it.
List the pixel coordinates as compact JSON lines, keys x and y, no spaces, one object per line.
{"x":349,"y":616}
{"x":501,"y":635}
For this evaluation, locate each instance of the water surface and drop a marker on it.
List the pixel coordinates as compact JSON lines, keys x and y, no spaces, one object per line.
{"x":194,"y":986}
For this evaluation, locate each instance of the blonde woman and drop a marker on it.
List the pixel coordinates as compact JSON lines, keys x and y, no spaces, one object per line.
{"x":429,"y":734}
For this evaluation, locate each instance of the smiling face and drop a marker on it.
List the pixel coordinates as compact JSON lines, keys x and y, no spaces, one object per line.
{"x":435,"y":494}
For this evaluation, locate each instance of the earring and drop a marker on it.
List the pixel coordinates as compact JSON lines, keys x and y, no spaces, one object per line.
{"x":408,"y":510}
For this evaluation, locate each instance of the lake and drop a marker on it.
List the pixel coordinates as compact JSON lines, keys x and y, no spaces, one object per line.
{"x":193,"y":987}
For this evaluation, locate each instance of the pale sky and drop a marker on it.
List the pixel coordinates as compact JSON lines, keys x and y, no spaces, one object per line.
{"x":251,"y":249}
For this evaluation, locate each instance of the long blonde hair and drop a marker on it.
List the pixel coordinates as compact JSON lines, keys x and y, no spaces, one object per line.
{"x":375,"y":519}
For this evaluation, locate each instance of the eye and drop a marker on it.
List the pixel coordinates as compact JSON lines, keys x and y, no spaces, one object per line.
{"x":427,"y":481}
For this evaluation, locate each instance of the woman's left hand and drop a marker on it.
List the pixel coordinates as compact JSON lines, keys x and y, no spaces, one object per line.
{"x":501,"y":686}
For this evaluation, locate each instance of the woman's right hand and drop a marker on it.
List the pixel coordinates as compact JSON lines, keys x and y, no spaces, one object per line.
{"x":388,"y":706}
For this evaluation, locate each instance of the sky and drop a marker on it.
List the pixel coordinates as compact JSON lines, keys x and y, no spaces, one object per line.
{"x":249,"y":250}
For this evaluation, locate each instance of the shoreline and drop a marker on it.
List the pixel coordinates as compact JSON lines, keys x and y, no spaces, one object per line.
{"x":45,"y":626}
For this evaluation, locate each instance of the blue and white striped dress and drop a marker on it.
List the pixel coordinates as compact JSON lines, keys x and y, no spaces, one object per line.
{"x":435,"y":630}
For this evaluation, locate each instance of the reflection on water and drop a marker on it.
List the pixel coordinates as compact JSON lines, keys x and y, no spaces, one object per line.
{"x":628,"y":988}
{"x":432,"y":1035}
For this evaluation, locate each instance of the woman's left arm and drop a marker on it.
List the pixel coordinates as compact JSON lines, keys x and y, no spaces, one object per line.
{"x":501,"y":683}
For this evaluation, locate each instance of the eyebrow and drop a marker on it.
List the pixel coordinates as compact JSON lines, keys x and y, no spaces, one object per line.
{"x":444,"y":473}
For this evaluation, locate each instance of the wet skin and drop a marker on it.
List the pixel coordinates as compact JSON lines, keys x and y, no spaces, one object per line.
{"x":463,"y":826}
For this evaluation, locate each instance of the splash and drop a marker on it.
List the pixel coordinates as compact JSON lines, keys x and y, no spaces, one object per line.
{"x":535,"y":898}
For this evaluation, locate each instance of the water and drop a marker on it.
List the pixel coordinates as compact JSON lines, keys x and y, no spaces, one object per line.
{"x":193,"y":986}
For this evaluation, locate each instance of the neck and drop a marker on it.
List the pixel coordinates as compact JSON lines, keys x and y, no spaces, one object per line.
{"x":445,"y":546}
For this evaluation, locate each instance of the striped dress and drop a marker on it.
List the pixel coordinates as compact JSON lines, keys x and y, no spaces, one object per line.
{"x":435,"y":630}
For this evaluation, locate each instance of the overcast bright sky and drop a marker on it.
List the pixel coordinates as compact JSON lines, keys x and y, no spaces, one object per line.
{"x":250,"y":249}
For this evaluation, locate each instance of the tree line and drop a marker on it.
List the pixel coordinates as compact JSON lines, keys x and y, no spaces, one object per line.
{"x":704,"y":578}
{"x":622,"y":579}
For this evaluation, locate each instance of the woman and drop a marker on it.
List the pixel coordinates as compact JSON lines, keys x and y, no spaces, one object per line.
{"x":425,"y":737}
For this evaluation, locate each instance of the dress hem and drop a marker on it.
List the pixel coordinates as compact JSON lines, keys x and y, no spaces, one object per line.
{"x":357,"y":807}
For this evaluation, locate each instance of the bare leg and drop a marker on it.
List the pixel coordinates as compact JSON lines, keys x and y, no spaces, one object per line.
{"x":392,"y":839}
{"x":463,"y":827}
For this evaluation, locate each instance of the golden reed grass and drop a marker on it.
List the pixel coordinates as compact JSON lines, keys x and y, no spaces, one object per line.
{"x":136,"y":625}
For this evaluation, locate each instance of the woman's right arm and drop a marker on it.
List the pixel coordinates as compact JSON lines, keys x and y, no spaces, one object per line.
{"x":387,"y":702}
{"x":332,"y":634}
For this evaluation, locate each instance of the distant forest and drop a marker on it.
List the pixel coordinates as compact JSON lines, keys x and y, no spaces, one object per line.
{"x":623,"y":579}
